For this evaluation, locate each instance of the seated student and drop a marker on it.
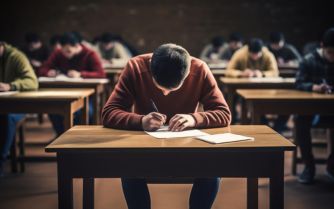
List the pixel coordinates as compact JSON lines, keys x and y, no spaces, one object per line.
{"x":112,"y":51}
{"x":16,"y":74}
{"x":252,"y":60}
{"x":35,"y":50}
{"x":75,"y":61}
{"x":235,"y":42}
{"x":285,"y":53}
{"x":316,"y":74}
{"x":168,"y":75}
{"x":55,"y":42}
{"x":213,"y":51}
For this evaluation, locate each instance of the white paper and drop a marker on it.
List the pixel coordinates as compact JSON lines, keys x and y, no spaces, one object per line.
{"x":7,"y":93}
{"x":224,"y":138}
{"x":163,"y":133}
{"x":60,"y":77}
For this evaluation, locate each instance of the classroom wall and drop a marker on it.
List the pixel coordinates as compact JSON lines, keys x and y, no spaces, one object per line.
{"x":146,"y":24}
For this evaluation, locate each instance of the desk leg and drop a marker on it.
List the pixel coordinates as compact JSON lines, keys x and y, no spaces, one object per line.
{"x":252,"y":193}
{"x":65,"y":187}
{"x":88,"y":193}
{"x":243,"y":112}
{"x":85,"y":111}
{"x":96,"y":108}
{"x":277,"y":186}
{"x":256,"y":117}
{"x":68,"y":118}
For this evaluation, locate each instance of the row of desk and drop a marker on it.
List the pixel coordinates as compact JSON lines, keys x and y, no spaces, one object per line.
{"x":90,"y":152}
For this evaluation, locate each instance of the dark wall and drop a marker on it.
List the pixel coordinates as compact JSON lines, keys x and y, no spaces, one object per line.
{"x":148,"y":23}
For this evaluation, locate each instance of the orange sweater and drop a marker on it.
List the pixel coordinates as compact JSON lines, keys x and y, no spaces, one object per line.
{"x":136,"y":88}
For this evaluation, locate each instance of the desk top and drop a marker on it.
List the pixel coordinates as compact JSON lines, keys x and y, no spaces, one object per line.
{"x":257,"y":80}
{"x":48,"y":94}
{"x":280,"y":94}
{"x":97,"y":138}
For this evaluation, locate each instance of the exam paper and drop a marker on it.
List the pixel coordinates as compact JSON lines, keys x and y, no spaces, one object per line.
{"x":163,"y":133}
{"x":224,"y":138}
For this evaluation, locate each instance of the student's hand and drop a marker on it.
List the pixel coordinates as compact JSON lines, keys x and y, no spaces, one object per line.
{"x":73,"y":74}
{"x":322,"y":88}
{"x":153,"y":121}
{"x":52,"y":73}
{"x":248,"y":73}
{"x":258,"y":74}
{"x":179,"y":122}
{"x":35,"y":63}
{"x":4,"y":87}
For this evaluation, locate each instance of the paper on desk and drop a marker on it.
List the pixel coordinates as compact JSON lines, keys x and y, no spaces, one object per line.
{"x":224,"y":138}
{"x":6,"y":93}
{"x":163,"y":133}
{"x":60,"y":77}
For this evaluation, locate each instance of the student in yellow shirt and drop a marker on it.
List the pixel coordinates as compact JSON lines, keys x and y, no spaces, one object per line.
{"x":252,"y":60}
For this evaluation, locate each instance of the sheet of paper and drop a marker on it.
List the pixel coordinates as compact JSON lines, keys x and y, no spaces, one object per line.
{"x":60,"y":77}
{"x":163,"y":133}
{"x":224,"y":138}
{"x":6,"y":93}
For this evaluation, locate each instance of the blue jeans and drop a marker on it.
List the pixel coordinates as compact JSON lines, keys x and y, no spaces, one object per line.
{"x":58,"y":120}
{"x":202,"y":195}
{"x":7,"y":132}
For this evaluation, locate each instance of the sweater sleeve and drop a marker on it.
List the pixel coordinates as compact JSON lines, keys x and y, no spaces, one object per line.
{"x":216,"y":111}
{"x":233,"y":68}
{"x":25,"y":76}
{"x":117,"y":111}
{"x":303,"y":81}
{"x":271,"y":67}
{"x":95,"y":67}
{"x":48,"y":64}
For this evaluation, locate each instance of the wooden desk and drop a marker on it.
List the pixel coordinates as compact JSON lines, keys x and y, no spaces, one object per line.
{"x":284,"y":102}
{"x":90,"y":152}
{"x":230,"y":85}
{"x":64,"y":102}
{"x":101,"y":87}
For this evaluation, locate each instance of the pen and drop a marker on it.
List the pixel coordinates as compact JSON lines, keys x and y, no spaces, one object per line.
{"x":155,"y":109}
{"x":329,"y":90}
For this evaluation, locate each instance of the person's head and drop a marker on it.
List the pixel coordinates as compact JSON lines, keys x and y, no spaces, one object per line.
{"x":276,"y":40}
{"x":235,"y":41}
{"x":70,"y":45}
{"x":217,"y":41}
{"x":55,"y":42}
{"x":328,"y":45}
{"x":33,"y":41}
{"x":78,"y":35}
{"x":107,"y":41}
{"x":255,"y":48}
{"x":170,"y":65}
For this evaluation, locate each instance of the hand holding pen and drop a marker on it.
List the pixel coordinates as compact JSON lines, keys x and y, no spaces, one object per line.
{"x":154,"y":120}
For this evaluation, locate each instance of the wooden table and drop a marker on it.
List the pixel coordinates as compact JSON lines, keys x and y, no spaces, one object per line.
{"x":230,"y":85}
{"x":90,"y":152}
{"x":284,"y":102}
{"x":64,"y":102}
{"x":101,"y":86}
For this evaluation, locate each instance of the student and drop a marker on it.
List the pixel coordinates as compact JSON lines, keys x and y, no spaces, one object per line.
{"x":55,"y":42}
{"x":75,"y":61}
{"x":213,"y":51}
{"x":285,"y":53}
{"x":316,"y":74}
{"x":235,"y":42}
{"x":112,"y":51}
{"x":35,"y":50}
{"x":176,"y":83}
{"x":16,"y":74}
{"x":252,"y":60}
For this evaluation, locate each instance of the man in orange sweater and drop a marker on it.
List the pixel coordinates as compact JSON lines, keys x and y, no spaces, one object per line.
{"x":176,"y":83}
